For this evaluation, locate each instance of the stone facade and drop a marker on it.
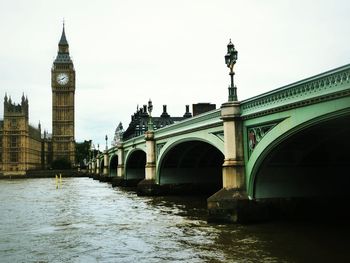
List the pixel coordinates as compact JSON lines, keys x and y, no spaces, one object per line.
{"x":20,"y":143}
{"x":200,"y":108}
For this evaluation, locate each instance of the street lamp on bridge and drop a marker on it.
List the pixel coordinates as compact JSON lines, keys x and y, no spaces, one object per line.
{"x":106,"y":138}
{"x":230,"y":60}
{"x":150,"y":122}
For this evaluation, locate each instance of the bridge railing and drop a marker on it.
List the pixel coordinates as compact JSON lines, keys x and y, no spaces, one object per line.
{"x":312,"y":89}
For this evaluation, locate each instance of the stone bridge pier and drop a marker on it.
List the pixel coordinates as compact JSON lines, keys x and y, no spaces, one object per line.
{"x":104,"y":168}
{"x":231,"y":203}
{"x":149,"y":186}
{"x":105,"y":162}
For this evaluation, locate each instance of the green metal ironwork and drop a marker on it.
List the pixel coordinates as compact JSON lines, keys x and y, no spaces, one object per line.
{"x":256,"y":134}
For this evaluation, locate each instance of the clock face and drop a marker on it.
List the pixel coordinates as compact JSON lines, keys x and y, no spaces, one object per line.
{"x":62,"y":78}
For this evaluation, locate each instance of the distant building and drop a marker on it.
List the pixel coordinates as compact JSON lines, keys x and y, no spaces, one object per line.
{"x":118,"y":134}
{"x":20,"y":143}
{"x":200,"y":108}
{"x":139,"y":121}
{"x":46,"y":150}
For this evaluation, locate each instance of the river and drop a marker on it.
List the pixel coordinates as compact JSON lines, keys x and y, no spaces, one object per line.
{"x":87,"y":221}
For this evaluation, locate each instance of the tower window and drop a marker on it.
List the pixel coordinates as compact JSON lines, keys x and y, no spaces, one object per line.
{"x":13,"y":141}
{"x":13,"y":157}
{"x":13,"y":123}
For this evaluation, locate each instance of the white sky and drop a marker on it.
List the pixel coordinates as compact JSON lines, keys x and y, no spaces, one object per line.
{"x":171,"y":51}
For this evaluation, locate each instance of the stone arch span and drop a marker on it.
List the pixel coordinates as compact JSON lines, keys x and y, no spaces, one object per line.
{"x":191,"y":166}
{"x":311,"y":160}
{"x":113,"y":164}
{"x":135,"y":166}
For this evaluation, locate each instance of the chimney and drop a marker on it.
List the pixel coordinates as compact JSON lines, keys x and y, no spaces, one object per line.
{"x":164,"y":114}
{"x":187,"y":113}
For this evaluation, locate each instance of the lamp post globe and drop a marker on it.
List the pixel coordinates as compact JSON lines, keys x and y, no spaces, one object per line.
{"x":150,"y":107}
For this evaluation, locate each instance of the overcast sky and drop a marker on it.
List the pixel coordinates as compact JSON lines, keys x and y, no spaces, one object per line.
{"x":171,"y":51}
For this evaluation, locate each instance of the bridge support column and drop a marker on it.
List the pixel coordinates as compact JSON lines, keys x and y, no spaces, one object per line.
{"x":90,"y":169}
{"x":104,"y":176}
{"x":118,"y":180}
{"x":94,"y":168}
{"x":148,"y":186}
{"x":97,"y":166}
{"x":105,"y":161}
{"x":231,"y":203}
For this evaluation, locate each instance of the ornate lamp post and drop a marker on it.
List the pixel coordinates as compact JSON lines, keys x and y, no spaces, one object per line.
{"x":93,"y":151}
{"x":106,"y":138}
{"x":230,"y":60}
{"x":150,"y":122}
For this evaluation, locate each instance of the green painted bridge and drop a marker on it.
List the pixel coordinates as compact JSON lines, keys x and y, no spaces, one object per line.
{"x":291,"y":142}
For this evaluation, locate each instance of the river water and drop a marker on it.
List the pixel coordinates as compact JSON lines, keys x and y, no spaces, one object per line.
{"x":87,"y":221}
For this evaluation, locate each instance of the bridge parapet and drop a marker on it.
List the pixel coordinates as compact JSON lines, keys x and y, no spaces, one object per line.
{"x":134,"y":141}
{"x":112,"y":150}
{"x":202,"y":121}
{"x":325,"y":86}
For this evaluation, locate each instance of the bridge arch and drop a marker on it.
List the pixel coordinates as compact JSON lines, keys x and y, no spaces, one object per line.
{"x":113,"y":164}
{"x":303,"y":156}
{"x":194,"y":164}
{"x":135,"y":165}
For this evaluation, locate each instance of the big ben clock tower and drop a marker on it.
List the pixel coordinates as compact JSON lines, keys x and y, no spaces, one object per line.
{"x":63,"y":89}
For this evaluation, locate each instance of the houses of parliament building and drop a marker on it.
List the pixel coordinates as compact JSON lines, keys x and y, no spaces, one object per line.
{"x":24,"y":147}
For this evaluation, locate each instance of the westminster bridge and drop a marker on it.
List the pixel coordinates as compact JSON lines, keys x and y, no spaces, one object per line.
{"x":291,"y":142}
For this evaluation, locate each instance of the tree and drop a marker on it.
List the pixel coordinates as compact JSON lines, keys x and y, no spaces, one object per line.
{"x":61,"y":164}
{"x":82,"y":151}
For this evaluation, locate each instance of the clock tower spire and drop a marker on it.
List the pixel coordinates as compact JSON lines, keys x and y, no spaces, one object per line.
{"x":63,"y":92}
{"x":63,"y":44}
{"x":63,"y":50}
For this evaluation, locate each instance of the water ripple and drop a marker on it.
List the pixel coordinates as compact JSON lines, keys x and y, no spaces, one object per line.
{"x":88,"y":221}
